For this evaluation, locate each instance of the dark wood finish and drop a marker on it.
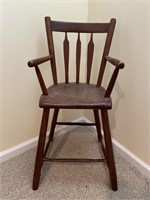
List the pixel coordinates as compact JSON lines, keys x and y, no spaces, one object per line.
{"x":41,"y":81}
{"x":111,"y":83}
{"x":80,"y":27}
{"x":38,"y":61}
{"x":106,"y":50}
{"x":66,"y":57}
{"x":90,"y":58}
{"x":77,"y":95}
{"x":115,"y":62}
{"x":75,"y":123}
{"x":40,"y":149}
{"x":53,"y":125}
{"x":98,"y":128}
{"x":51,"y":48}
{"x":73,"y":95}
{"x":74,"y":160}
{"x":109,"y":150}
{"x":78,"y":56}
{"x":119,"y":65}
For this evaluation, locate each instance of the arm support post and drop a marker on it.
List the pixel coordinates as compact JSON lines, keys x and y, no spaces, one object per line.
{"x":35,"y":63}
{"x":118,"y":65}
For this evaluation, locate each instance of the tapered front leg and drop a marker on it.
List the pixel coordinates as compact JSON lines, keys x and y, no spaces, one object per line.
{"x":53,"y":125}
{"x":109,"y":150}
{"x":40,"y":149}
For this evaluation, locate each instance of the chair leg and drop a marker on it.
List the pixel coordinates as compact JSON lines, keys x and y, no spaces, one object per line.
{"x":40,"y":149}
{"x":98,"y":128}
{"x":109,"y":150}
{"x":53,"y":125}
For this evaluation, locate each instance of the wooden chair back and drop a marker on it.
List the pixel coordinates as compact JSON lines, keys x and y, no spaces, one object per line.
{"x":79,"y":28}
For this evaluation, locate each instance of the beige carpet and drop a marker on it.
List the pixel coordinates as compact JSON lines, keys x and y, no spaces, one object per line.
{"x":72,"y":181}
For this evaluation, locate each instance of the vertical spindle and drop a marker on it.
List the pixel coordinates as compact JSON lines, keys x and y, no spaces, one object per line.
{"x":66,"y":57}
{"x":90,"y":52}
{"x":78,"y":56}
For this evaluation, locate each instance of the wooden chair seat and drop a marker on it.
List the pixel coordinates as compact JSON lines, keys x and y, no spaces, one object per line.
{"x":74,"y":95}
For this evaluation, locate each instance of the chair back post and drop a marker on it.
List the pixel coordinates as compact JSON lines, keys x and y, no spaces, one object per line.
{"x":51,"y":48}
{"x":106,"y":51}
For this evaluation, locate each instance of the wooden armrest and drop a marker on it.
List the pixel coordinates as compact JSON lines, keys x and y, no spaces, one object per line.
{"x":115,"y":62}
{"x":37,"y":61}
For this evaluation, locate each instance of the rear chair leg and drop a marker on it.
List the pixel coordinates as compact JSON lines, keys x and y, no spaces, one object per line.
{"x":54,"y":120}
{"x":40,"y":149}
{"x":98,"y":128}
{"x":109,"y":150}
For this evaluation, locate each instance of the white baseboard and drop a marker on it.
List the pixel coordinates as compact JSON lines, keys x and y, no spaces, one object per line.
{"x":25,"y":146}
{"x":129,"y":156}
{"x":132,"y":158}
{"x":124,"y":152}
{"x":18,"y":149}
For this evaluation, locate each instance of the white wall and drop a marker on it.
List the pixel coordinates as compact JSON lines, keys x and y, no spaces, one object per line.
{"x":130,"y":115}
{"x":24,"y":38}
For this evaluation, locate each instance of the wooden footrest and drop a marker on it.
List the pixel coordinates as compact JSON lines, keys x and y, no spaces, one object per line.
{"x":73,"y":160}
{"x":76,"y":123}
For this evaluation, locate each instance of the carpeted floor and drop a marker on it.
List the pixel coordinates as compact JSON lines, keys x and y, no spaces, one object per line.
{"x":71,"y":181}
